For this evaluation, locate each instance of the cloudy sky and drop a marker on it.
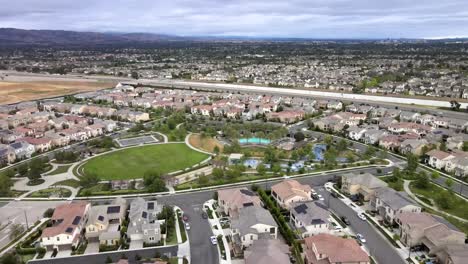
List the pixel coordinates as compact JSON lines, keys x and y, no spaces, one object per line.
{"x":256,"y":18}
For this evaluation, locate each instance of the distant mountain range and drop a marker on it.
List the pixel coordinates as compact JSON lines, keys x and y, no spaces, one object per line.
{"x":15,"y":37}
{"x":23,"y":37}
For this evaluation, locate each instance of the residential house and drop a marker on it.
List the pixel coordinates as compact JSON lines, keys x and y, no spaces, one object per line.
{"x":288,"y":116}
{"x":23,"y":150}
{"x":424,"y":229}
{"x":329,"y":249}
{"x":68,"y":222}
{"x":310,"y":218}
{"x":40,"y":144}
{"x":104,"y":222}
{"x":253,"y":223}
{"x":389,"y":203}
{"x":231,"y":201}
{"x":438,"y":159}
{"x":7,"y":154}
{"x":144,"y":224}
{"x":414,"y":146}
{"x":267,"y":251}
{"x":291,"y":191}
{"x":361,"y":184}
{"x":453,"y":253}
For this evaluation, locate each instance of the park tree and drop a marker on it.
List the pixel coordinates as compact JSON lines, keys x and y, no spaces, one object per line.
{"x":342,"y":145}
{"x":23,"y":169}
{"x":444,"y":200}
{"x":449,"y":183}
{"x":435,"y":175}
{"x":218,"y":173}
{"x":154,"y":181}
{"x":89,"y":179}
{"x":299,"y":136}
{"x":203,"y":180}
{"x":328,"y":140}
{"x":330,"y":157}
{"x":276,"y":168}
{"x":261,"y":169}
{"x":413,"y":162}
{"x":216,"y":150}
{"x":135,"y":75}
{"x":422,"y":181}
{"x":5,"y":184}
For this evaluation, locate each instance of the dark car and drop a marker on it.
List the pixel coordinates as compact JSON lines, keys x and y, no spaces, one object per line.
{"x":334,"y":194}
{"x":345,"y":220}
{"x":204,"y":215}
{"x":185,"y":218}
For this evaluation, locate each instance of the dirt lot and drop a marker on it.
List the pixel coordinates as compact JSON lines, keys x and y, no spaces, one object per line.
{"x":12,"y":92}
{"x":206,"y":144}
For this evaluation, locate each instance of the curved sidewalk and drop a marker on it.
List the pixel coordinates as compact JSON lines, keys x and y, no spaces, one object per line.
{"x":407,"y":189}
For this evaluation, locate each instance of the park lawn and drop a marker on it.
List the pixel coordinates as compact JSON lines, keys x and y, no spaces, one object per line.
{"x":459,"y":208}
{"x":60,"y":169}
{"x":70,"y":182}
{"x":132,"y":163}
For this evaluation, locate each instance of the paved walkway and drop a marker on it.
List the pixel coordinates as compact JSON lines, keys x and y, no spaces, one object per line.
{"x":217,"y":230}
{"x":407,"y":189}
{"x":184,"y":248}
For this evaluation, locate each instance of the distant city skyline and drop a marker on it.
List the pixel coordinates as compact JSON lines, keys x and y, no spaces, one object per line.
{"x":249,"y":18}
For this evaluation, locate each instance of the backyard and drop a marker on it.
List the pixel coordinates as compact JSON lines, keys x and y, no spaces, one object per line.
{"x":132,"y":163}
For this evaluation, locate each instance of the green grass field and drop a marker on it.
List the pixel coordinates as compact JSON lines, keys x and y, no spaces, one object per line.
{"x":132,"y":163}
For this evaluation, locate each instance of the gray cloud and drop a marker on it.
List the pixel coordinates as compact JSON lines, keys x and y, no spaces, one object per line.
{"x":265,"y":18}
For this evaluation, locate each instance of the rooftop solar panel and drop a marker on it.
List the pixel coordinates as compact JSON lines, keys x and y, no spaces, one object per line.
{"x":77,"y":220}
{"x":113,"y":209}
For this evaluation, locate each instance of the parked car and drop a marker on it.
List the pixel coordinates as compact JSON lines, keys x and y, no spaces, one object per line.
{"x":362,"y":216}
{"x":320,"y":197}
{"x":345,"y":220}
{"x":187,"y":226}
{"x":361,"y":238}
{"x":204,"y":215}
{"x":334,"y":194}
{"x":214,"y":240}
{"x":185,"y":218}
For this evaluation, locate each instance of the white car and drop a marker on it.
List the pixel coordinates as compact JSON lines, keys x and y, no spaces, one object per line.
{"x":214,"y":240}
{"x":362,"y":216}
{"x":187,"y":226}
{"x":361,"y":238}
{"x":320,"y":197}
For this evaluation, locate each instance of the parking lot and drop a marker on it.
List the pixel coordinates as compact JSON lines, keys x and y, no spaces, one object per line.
{"x":126,"y":142}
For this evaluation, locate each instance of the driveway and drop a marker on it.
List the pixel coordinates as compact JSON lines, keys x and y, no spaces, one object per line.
{"x":92,"y":247}
{"x":137,"y":244}
{"x":63,"y":253}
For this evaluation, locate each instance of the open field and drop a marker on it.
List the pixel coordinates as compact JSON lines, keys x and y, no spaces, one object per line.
{"x":12,"y":92}
{"x":132,"y":163}
{"x":205,"y":143}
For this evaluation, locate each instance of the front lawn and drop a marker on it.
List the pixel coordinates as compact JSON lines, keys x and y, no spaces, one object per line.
{"x":132,"y":163}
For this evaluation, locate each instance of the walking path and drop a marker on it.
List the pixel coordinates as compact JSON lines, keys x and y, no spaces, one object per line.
{"x":184,"y":247}
{"x":217,"y":230}
{"x":407,"y":189}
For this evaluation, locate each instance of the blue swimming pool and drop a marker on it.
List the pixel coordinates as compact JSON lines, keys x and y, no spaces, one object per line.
{"x":259,"y":141}
{"x":319,"y":150}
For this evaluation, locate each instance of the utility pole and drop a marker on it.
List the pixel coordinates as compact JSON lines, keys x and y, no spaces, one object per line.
{"x":26,"y":218}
